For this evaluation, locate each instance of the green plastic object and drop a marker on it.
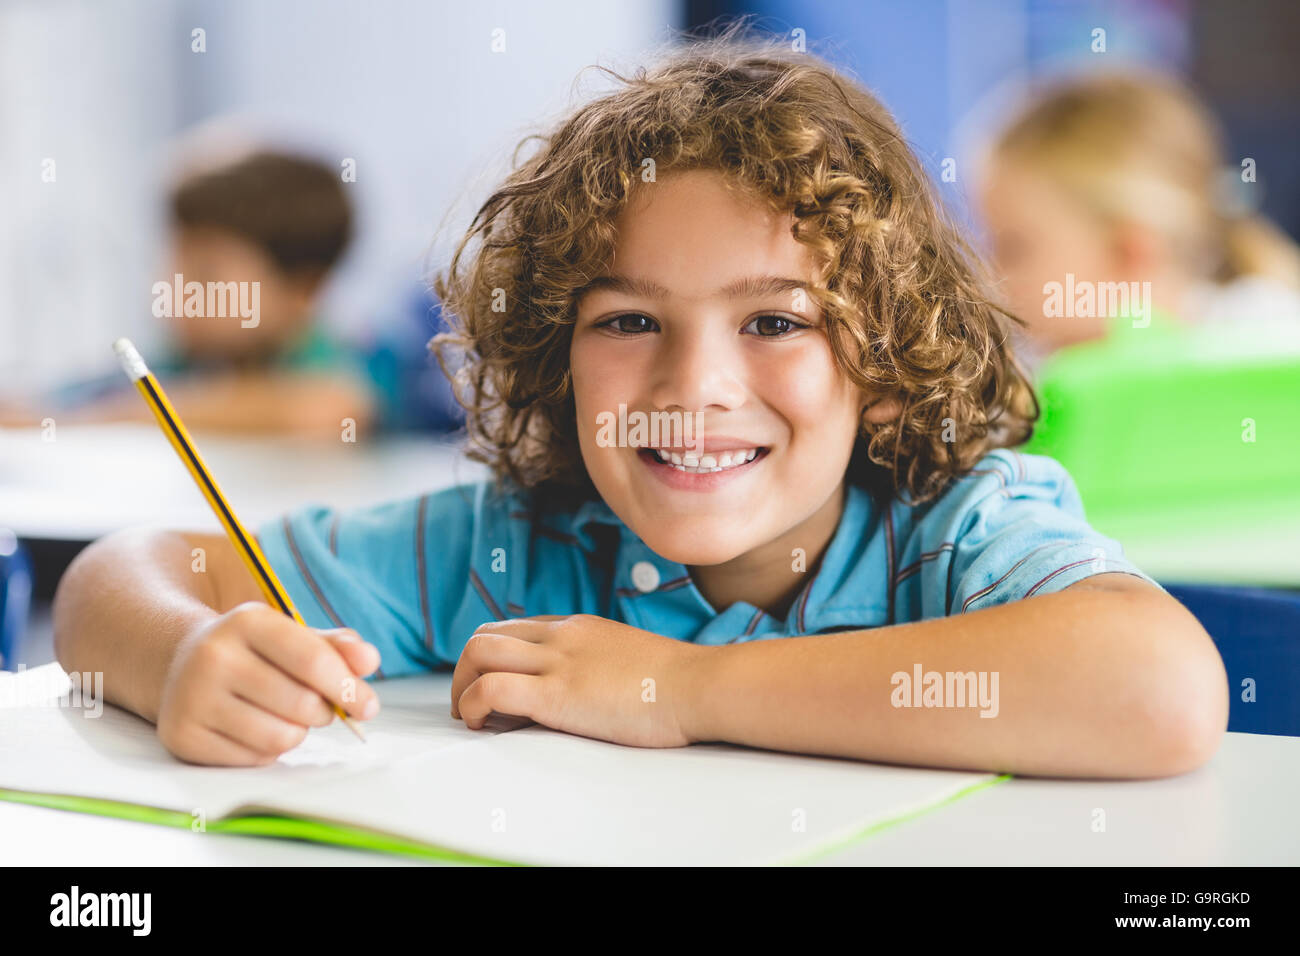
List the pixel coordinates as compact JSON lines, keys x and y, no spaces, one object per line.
{"x":1165,"y":418}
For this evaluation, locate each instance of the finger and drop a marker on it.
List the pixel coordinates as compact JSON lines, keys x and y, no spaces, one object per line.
{"x":303,"y":655}
{"x":523,"y":628}
{"x":261,"y":683}
{"x":259,"y":730}
{"x":514,"y":694}
{"x":216,"y":749}
{"x":361,"y":656}
{"x":485,"y":653}
{"x":503,"y":723}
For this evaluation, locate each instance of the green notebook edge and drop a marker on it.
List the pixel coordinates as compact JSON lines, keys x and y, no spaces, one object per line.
{"x":261,"y":825}
{"x":317,"y":831}
{"x":843,"y":843}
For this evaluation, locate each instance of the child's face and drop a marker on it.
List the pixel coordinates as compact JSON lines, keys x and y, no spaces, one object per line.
{"x":284,"y":302}
{"x":1038,"y":236}
{"x":701,"y":312}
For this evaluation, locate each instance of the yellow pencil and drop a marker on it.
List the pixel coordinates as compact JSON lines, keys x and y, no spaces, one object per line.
{"x":244,"y":543}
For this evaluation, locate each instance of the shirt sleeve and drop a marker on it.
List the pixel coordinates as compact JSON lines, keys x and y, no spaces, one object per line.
{"x":1018,"y":529}
{"x":396,"y":573}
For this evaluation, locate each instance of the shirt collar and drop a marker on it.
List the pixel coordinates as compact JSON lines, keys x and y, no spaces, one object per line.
{"x":594,"y":512}
{"x":850,"y":586}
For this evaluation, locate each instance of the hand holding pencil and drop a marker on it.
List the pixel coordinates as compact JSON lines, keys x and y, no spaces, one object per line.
{"x":274,"y":650}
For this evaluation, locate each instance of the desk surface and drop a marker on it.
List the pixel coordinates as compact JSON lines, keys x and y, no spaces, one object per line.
{"x":94,"y":479}
{"x":1248,"y":541}
{"x":1240,"y":809}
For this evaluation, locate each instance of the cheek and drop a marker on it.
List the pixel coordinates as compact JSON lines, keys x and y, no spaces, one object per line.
{"x":1045,"y":261}
{"x":596,"y":383}
{"x":1024,"y":290}
{"x":273,"y":302}
{"x":806,"y":388}
{"x":1067,"y":240}
{"x":602,"y":378}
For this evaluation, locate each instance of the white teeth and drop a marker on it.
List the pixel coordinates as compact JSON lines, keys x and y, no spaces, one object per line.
{"x":706,"y":464}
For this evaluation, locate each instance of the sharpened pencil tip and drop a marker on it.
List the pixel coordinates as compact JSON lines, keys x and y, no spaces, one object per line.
{"x":130,"y":359}
{"x":355,"y":729}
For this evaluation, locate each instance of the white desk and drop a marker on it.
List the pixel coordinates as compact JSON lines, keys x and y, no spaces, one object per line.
{"x":94,"y":479}
{"x":1240,"y":809}
{"x":1248,"y":541}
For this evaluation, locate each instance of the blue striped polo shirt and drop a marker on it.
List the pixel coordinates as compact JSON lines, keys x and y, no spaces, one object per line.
{"x":416,"y":577}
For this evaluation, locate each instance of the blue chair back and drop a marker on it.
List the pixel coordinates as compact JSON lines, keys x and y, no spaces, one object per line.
{"x":15,"y":596}
{"x":1257,"y":633}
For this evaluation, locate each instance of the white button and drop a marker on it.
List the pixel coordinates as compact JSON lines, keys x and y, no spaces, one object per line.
{"x":645,"y":576}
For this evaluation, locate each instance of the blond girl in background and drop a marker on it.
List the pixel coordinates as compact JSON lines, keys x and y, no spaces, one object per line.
{"x":1122,"y":178}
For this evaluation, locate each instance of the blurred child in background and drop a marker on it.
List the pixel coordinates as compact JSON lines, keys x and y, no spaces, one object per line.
{"x":285,"y":222}
{"x":282,"y":222}
{"x":1122,"y":178}
{"x":1162,"y":317}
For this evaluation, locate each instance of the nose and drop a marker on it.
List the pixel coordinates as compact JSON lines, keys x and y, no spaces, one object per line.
{"x":701,"y":366}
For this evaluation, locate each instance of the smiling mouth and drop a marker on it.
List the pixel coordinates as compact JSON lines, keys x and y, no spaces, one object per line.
{"x":691,"y":463}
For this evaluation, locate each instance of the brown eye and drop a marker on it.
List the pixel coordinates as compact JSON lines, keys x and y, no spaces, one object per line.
{"x":773,"y":326}
{"x":630,"y":323}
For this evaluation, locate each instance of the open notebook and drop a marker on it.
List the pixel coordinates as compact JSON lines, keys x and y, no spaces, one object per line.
{"x":426,"y":785}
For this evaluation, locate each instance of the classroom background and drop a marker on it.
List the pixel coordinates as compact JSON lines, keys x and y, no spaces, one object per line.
{"x":419,"y":105}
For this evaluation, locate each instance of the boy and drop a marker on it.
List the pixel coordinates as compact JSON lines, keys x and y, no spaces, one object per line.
{"x":845,"y":516}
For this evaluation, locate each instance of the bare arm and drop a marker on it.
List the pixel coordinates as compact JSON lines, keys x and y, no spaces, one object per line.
{"x":227,"y":679}
{"x":127,"y":601}
{"x":1107,"y":678}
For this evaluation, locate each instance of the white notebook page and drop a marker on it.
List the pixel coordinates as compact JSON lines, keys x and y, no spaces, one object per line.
{"x":530,"y":795}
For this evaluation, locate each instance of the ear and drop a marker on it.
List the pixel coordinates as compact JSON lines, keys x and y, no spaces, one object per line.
{"x":882,"y":410}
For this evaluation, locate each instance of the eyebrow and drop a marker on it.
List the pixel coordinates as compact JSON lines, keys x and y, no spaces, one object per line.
{"x":747,"y":287}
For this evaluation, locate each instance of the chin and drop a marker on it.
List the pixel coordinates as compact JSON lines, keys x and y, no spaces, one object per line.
{"x":698,"y":543}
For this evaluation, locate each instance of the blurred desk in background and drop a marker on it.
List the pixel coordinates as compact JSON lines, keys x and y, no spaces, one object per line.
{"x":1184,"y":443}
{"x":95,"y":479}
{"x":1252,"y":541}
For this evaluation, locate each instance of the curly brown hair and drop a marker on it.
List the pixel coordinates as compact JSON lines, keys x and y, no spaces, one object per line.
{"x":905,"y":301}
